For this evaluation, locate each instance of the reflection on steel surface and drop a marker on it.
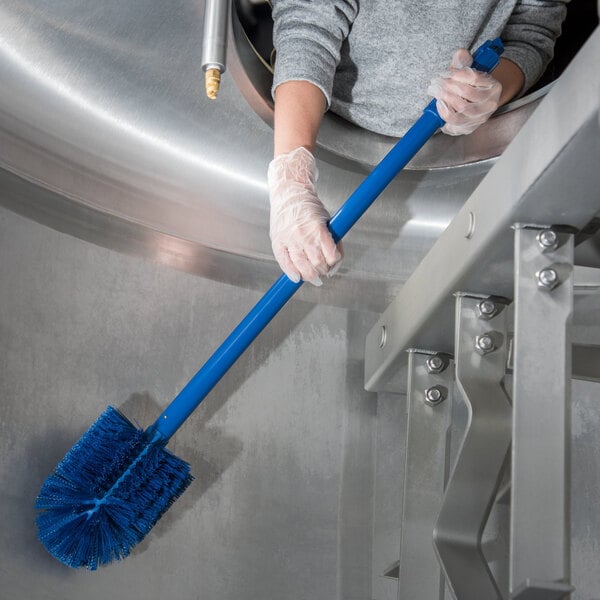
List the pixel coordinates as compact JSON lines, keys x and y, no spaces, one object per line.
{"x":105,"y":123}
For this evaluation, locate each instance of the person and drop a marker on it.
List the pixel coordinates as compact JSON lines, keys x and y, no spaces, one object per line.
{"x":370,"y":62}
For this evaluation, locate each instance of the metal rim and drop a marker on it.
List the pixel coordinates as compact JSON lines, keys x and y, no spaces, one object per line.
{"x":340,"y":140}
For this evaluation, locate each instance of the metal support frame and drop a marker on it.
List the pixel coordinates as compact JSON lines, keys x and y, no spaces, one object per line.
{"x":586,"y":349}
{"x":429,"y":407}
{"x":481,"y":352}
{"x":540,"y":532}
{"x":547,"y":175}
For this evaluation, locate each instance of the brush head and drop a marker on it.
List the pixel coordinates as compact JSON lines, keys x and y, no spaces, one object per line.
{"x":107,"y":493}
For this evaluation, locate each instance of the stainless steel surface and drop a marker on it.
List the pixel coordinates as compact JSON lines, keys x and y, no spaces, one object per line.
{"x":285,"y":449}
{"x":478,"y":470}
{"x":586,"y":280}
{"x":541,"y":436}
{"x":282,"y":449}
{"x":214,"y":34}
{"x":586,"y":362}
{"x":549,"y":174}
{"x":390,"y":462}
{"x":106,"y":134}
{"x":426,"y":466}
{"x":542,"y":590}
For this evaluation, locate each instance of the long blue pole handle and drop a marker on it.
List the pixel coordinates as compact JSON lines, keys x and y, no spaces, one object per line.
{"x":485,"y":59}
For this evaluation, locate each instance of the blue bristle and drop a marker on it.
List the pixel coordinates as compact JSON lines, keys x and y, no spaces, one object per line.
{"x":107,"y":493}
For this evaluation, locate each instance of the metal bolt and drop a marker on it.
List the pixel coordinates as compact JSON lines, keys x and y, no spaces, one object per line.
{"x":547,"y":278}
{"x":487,"y":309}
{"x":435,"y":364}
{"x":548,"y":240}
{"x":434,"y":395}
{"x":484,"y":344}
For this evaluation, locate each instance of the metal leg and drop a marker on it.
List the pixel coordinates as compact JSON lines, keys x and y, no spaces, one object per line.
{"x":480,"y":354}
{"x":539,"y":556}
{"x":430,"y":380}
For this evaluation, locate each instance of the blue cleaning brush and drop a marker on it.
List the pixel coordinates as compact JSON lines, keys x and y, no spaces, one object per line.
{"x":118,"y":480}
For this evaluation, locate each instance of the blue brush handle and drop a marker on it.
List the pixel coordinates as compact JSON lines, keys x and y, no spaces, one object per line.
{"x":485,"y":58}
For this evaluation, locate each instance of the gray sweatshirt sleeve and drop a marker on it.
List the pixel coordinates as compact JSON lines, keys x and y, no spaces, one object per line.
{"x":307,"y":37}
{"x":530,"y":34}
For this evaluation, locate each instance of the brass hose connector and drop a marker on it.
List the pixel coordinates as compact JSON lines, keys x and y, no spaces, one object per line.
{"x":212,"y":81}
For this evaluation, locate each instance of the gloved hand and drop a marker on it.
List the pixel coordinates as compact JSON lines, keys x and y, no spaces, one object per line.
{"x":466,"y":98}
{"x":302,"y":244}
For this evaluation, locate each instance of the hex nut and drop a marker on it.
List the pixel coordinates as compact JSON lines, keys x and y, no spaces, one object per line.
{"x":435,"y":395}
{"x":484,"y":344}
{"x":486,"y":309}
{"x":436,"y":364}
{"x":547,"y":278}
{"x":548,"y":240}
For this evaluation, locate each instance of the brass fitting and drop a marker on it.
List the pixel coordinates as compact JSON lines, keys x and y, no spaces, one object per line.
{"x":212,"y":80}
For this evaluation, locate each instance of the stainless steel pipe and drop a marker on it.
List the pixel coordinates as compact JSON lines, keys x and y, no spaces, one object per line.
{"x":214,"y":44}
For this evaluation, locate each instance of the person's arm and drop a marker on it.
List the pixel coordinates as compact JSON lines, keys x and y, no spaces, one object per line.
{"x":299,"y":108}
{"x":530,"y":34}
{"x":511,"y":78}
{"x":300,"y":239}
{"x":307,"y":37}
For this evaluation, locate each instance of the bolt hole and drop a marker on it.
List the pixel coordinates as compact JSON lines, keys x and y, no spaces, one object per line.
{"x":470,"y":226}
{"x":382,"y":336}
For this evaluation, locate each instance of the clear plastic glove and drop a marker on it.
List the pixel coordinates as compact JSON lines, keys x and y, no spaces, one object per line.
{"x":466,"y":98}
{"x":302,"y":244}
